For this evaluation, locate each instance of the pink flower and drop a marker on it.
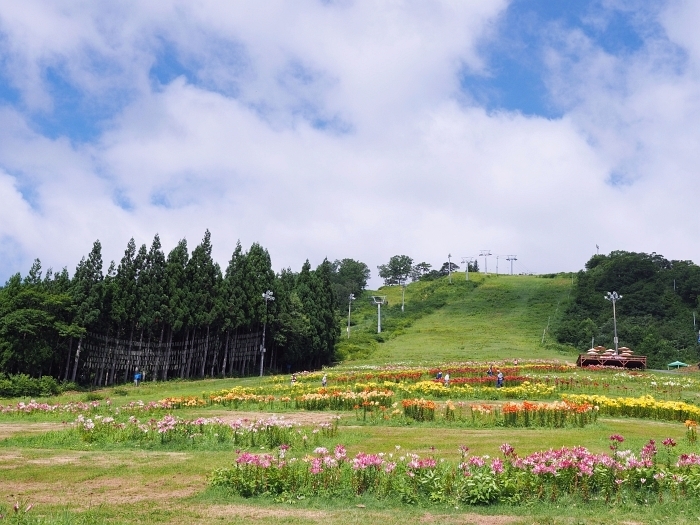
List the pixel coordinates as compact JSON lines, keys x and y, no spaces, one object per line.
{"x":669,"y":442}
{"x":316,"y":466}
{"x":340,"y":452}
{"x":497,"y":466}
{"x":506,"y":449}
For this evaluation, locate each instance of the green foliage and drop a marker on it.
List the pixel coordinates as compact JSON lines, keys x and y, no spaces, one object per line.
{"x":655,"y":315}
{"x":21,"y":385}
{"x":397,"y":270}
{"x":348,"y":277}
{"x":175,"y":300}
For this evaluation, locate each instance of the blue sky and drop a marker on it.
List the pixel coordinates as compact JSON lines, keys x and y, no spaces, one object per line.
{"x":349,"y":130}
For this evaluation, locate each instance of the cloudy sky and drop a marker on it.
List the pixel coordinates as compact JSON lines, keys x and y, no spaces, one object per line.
{"x":350,"y":129}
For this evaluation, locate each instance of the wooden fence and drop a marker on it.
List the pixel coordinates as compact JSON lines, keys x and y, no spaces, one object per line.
{"x":108,"y":360}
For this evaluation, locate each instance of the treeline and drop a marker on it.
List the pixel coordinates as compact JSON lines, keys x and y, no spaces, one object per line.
{"x":655,"y":316}
{"x":148,"y":296}
{"x":401,"y":267}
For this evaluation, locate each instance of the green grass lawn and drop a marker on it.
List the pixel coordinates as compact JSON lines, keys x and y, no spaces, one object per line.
{"x":488,"y":318}
{"x":137,"y":486}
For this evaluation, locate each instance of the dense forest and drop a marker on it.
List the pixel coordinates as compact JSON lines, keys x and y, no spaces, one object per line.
{"x":655,"y":317}
{"x":97,"y":326}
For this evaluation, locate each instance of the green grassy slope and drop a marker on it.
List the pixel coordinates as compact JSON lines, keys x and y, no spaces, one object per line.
{"x":487,"y":318}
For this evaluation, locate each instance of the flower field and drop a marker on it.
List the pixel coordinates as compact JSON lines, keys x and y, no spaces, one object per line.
{"x":571,"y":472}
{"x":645,"y":407}
{"x":272,"y":432}
{"x":292,"y":457}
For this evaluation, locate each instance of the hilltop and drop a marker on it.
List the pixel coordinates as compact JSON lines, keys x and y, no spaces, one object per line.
{"x":488,"y":317}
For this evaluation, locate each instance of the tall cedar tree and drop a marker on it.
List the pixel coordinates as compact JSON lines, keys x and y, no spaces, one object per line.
{"x":86,"y":290}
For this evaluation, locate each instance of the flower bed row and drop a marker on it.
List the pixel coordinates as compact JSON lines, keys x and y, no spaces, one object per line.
{"x":408,"y":374}
{"x":271,"y":432}
{"x":75,"y":407}
{"x":642,"y":407}
{"x":552,"y":415}
{"x":334,"y":400}
{"x":475,"y":480}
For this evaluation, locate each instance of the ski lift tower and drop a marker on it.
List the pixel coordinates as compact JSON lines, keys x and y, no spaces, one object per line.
{"x":467,"y":261}
{"x":485,"y":254}
{"x":511,"y":258}
{"x":379,"y":300}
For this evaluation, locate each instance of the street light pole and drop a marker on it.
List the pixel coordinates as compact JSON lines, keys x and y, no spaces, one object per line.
{"x":379,"y":300}
{"x":613,"y":297}
{"x":351,"y":298}
{"x":267,"y":296}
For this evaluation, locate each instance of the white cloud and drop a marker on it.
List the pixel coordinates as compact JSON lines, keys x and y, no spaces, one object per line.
{"x":401,"y":168}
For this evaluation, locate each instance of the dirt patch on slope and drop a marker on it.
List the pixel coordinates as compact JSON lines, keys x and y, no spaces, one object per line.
{"x":297,"y":418}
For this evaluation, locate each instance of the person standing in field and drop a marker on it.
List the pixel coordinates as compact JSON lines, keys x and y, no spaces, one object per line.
{"x":324,"y":381}
{"x":499,"y":379}
{"x":137,"y":377}
{"x":294,"y":379}
{"x":447,"y":379}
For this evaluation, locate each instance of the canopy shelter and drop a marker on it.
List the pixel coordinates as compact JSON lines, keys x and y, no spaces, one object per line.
{"x":676,"y":365}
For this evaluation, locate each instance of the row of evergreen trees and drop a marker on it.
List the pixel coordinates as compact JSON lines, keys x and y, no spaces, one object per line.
{"x":151,"y":296}
{"x":656,"y":316}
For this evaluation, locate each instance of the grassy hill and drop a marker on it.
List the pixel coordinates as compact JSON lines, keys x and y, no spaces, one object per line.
{"x":488,"y":317}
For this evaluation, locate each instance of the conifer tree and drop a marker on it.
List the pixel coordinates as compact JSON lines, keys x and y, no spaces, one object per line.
{"x":203,"y":276}
{"x":87,"y":295}
{"x":177,"y":307}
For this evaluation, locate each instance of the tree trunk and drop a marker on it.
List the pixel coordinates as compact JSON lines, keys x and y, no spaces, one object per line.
{"x":140,"y":351}
{"x":183,"y":361}
{"x":128,"y":354}
{"x":103,"y":361}
{"x":189,"y":356}
{"x":70,"y":351}
{"x":111,"y":378}
{"x":206,"y":352}
{"x":167,"y":356}
{"x":159,"y":353}
{"x":77,"y":356}
{"x":223,"y":365}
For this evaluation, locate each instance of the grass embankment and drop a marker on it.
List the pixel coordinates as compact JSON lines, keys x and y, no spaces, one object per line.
{"x":485,"y":318}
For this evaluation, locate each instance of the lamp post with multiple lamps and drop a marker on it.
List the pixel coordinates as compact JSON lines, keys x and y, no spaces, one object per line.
{"x":379,"y":300}
{"x":351,"y":298}
{"x":267,"y":296}
{"x":613,"y":297}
